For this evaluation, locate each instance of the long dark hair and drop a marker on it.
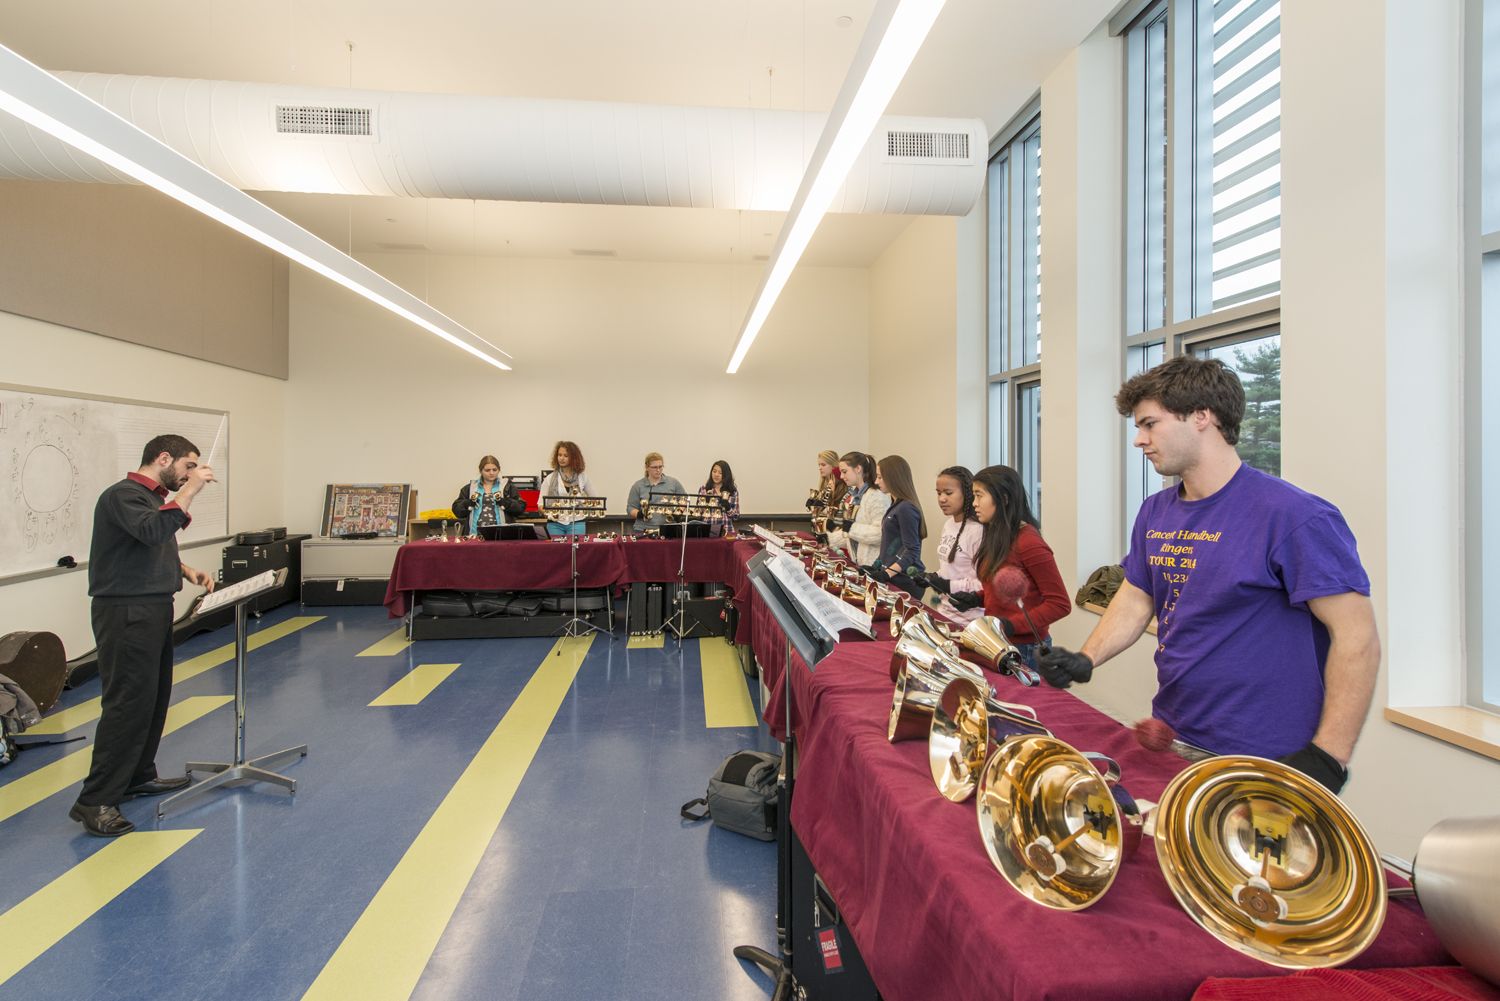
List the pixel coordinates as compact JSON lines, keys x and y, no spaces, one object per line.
{"x":1012,"y":512}
{"x":728,"y":485}
{"x":895,"y":473}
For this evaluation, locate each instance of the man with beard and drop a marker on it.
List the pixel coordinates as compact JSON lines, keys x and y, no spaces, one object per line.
{"x":1266,"y":640}
{"x":133,"y":574}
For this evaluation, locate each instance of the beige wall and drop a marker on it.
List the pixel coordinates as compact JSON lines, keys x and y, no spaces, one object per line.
{"x":621,"y":357}
{"x":127,"y":262}
{"x":52,"y":357}
{"x":914,"y":356}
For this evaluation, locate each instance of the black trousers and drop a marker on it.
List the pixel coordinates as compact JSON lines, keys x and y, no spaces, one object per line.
{"x":135,"y":667}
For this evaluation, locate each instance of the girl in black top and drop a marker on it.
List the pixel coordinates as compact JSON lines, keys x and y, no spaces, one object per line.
{"x":902,"y":529}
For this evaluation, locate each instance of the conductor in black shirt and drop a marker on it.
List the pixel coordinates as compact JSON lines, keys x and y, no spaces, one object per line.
{"x":133,"y":574}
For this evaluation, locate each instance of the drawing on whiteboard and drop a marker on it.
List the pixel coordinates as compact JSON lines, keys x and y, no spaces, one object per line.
{"x":44,"y":470}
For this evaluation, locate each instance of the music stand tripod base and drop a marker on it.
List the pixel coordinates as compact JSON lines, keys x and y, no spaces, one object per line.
{"x":256,"y":770}
{"x":238,"y":770}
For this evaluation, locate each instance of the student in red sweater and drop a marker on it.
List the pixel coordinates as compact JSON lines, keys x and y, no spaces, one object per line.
{"x":1013,"y":562}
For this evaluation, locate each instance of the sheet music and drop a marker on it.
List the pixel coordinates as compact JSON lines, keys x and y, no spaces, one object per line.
{"x":765,"y":536}
{"x":831,"y":613}
{"x":234,"y":592}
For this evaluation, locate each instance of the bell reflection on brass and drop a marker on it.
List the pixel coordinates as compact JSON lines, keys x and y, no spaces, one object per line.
{"x":883,"y":602}
{"x":1269,"y":862}
{"x":1049,"y":822}
{"x":966,"y":724}
{"x":927,"y":634}
{"x":924,"y":672}
{"x":984,"y":642}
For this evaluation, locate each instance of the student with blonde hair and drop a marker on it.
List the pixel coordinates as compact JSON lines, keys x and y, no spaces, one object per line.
{"x":640,"y":493}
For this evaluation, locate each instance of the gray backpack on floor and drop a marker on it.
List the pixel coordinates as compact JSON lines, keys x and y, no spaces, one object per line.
{"x":741,"y":795}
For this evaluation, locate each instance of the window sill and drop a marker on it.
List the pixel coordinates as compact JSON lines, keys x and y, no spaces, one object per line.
{"x":1472,"y":729}
{"x":1099,"y":610}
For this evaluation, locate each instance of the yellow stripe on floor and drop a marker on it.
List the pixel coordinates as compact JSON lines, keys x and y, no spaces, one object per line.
{"x":388,"y":647}
{"x":43,"y":919}
{"x":416,"y":686}
{"x":726,"y":698}
{"x":653,"y":642}
{"x":67,"y":719}
{"x":31,"y":789}
{"x":86,"y":712}
{"x":224,"y":654}
{"x":386,"y":951}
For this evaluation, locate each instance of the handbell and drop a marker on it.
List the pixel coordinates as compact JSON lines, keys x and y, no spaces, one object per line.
{"x":983,"y":641}
{"x":919,"y":687}
{"x":883,"y":602}
{"x":1049,"y":822}
{"x":967,"y":723}
{"x":922,"y":629}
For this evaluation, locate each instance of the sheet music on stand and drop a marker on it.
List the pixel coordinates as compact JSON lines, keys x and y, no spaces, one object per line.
{"x":831,"y":613}
{"x":244,"y":589}
{"x":772,"y":540}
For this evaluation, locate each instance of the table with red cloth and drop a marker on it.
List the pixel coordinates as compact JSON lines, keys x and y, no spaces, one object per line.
{"x":514,"y":565}
{"x":498,"y":566}
{"x":931,"y":915}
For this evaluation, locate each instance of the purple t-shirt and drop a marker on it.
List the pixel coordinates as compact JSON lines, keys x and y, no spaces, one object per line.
{"x":1239,"y":658}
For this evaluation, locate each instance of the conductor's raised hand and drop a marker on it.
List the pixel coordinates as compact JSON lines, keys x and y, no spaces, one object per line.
{"x":196,"y":479}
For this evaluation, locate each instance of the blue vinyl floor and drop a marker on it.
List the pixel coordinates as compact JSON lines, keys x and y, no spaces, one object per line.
{"x":591,"y":888}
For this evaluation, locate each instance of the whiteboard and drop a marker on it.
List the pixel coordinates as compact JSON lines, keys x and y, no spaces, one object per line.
{"x":59,"y":452}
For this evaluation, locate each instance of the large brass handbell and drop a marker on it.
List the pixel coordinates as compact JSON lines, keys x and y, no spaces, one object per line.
{"x":923,"y":630}
{"x":1049,"y":822}
{"x":967,"y":723}
{"x":1269,"y":862}
{"x":883,"y":602}
{"x":983,"y":641}
{"x":925,"y":672}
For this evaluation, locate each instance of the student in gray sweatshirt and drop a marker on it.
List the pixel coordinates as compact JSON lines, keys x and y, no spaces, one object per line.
{"x":655,"y":481}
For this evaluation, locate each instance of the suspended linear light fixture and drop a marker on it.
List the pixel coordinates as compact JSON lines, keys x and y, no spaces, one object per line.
{"x":42,"y":101}
{"x":896,"y":31}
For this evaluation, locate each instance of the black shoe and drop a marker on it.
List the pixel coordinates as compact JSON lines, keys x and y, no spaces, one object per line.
{"x":101,"y":821}
{"x":158,"y":786}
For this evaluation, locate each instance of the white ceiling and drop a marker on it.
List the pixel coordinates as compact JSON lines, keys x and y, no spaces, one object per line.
{"x":983,"y":59}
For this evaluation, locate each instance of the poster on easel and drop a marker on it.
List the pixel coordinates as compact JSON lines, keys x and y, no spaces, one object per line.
{"x":378,"y":509}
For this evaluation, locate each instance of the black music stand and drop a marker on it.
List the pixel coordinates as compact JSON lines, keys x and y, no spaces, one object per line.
{"x":577,"y":625}
{"x":807,"y":637}
{"x":258,"y":769}
{"x":683,"y":506}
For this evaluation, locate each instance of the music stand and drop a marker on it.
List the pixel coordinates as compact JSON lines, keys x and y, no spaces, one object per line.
{"x":258,"y":769}
{"x":682,"y":506}
{"x":810,"y":640}
{"x":550,"y":506}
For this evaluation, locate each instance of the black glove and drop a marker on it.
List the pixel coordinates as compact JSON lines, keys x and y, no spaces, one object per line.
{"x":878,"y":573}
{"x":812,"y":502}
{"x":966,"y":600}
{"x":1008,"y":628}
{"x":932,"y":580}
{"x":1063,"y":667}
{"x":1316,"y":763}
{"x":821,"y":538}
{"x":842,"y":524}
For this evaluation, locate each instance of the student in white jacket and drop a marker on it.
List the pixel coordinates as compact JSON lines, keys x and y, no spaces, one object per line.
{"x":860,"y":512}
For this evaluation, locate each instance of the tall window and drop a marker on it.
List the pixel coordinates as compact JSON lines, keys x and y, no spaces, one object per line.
{"x":1482,"y":375}
{"x":1015,"y":305}
{"x":1203,"y":205}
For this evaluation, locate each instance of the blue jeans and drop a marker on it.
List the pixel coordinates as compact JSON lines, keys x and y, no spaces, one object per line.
{"x":576,"y":528}
{"x":1028,"y":652}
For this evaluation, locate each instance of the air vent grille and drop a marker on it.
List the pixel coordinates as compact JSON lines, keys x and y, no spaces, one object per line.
{"x":927,"y":145}
{"x":301,"y":119}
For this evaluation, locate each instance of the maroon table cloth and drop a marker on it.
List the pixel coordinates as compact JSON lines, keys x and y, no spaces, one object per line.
{"x":932,"y":916}
{"x":705,"y":561}
{"x":498,"y":566}
{"x":1432,"y":983}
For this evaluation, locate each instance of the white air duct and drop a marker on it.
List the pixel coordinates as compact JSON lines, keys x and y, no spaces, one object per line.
{"x":264,"y":137}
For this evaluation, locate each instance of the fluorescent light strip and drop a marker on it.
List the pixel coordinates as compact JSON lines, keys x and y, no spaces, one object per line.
{"x":354,"y":276}
{"x":896,"y":32}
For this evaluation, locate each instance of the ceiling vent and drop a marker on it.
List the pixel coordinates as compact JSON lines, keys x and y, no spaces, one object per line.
{"x":308,"y":120}
{"x":594,"y":253}
{"x":927,"y":145}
